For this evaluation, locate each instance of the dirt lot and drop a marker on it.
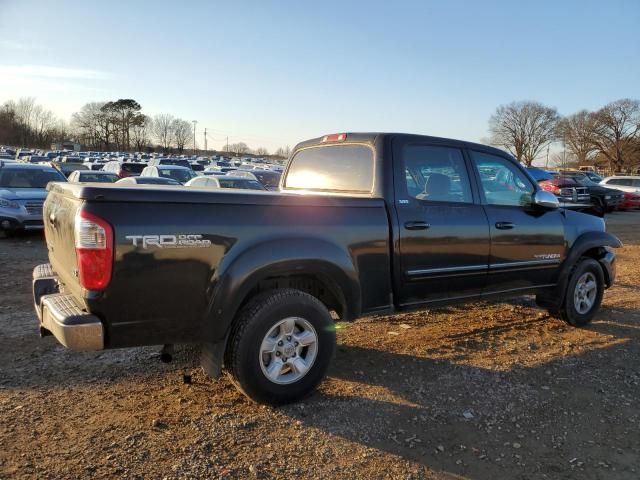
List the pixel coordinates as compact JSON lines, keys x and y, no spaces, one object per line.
{"x":483,"y":391}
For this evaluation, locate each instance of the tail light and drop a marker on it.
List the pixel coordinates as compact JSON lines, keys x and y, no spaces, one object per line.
{"x":94,"y":250}
{"x":549,"y":187}
{"x":123,"y":173}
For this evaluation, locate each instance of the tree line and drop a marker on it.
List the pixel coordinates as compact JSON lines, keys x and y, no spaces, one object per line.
{"x":608,"y":137}
{"x":24,"y":122}
{"x":118,"y":125}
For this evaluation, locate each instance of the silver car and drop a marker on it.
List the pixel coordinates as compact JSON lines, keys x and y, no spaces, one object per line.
{"x":22,"y":193}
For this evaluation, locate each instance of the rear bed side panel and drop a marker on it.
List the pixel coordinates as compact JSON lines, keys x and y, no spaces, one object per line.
{"x":166,"y":294}
{"x":346,"y":248}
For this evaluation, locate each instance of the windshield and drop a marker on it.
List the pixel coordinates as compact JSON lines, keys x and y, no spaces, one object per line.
{"x":243,"y":183}
{"x":133,"y":167}
{"x":28,"y":178}
{"x":175,"y":161}
{"x":268,"y":179}
{"x":539,"y":175}
{"x":180,"y":175}
{"x":584,"y":180}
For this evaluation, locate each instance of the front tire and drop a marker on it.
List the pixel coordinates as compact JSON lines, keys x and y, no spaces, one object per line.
{"x":280,"y":347}
{"x":584,"y":293}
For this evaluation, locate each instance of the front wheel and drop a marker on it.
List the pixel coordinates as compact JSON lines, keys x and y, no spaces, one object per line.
{"x":281,"y":346}
{"x":584,"y":293}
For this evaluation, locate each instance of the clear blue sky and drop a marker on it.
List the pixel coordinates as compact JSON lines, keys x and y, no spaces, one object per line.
{"x":273,"y":73}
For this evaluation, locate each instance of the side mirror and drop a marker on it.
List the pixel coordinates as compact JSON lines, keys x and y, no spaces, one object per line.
{"x":545,"y":199}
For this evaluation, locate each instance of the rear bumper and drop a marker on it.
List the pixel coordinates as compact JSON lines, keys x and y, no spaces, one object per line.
{"x":60,"y":315}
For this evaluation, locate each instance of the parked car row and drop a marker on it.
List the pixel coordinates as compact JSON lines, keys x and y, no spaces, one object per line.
{"x":24,"y":175}
{"x":588,"y":192}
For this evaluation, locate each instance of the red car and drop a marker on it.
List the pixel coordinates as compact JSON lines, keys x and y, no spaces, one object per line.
{"x":631,"y":200}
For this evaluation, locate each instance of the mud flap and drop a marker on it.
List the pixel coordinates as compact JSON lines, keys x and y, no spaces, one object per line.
{"x":212,"y":358}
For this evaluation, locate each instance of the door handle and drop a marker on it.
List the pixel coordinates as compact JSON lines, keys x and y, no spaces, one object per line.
{"x":504,"y":225}
{"x":416,"y":225}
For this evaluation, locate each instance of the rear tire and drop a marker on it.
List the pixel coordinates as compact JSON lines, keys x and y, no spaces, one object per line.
{"x":584,"y":293}
{"x":280,"y":347}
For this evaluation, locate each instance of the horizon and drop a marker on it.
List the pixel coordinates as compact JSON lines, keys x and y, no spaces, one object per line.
{"x":286,"y":73}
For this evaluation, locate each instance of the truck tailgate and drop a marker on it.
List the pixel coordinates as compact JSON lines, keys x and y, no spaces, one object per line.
{"x":59,"y":218}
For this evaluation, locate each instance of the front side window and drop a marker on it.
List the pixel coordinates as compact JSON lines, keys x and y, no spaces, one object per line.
{"x":332,"y":168}
{"x":436,"y":174}
{"x":502,"y":181}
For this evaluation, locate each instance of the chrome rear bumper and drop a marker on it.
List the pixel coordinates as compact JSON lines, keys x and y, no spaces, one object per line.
{"x":60,"y":315}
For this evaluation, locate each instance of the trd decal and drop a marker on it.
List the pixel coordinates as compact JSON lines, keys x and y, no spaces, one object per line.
{"x":169,"y":241}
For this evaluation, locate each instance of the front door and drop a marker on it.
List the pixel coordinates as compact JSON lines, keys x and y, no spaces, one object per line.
{"x":443,"y":229}
{"x":527,"y":243}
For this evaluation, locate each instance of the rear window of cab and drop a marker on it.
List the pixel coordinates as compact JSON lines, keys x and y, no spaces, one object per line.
{"x":332,"y":168}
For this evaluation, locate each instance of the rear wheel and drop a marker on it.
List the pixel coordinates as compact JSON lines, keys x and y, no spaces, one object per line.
{"x":281,"y":346}
{"x":584,"y":293}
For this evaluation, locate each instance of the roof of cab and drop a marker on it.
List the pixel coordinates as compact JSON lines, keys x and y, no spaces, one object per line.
{"x":372,"y":137}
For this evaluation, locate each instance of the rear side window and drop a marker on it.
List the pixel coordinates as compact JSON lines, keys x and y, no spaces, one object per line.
{"x":436,"y":174}
{"x":621,"y":181}
{"x":332,"y":168}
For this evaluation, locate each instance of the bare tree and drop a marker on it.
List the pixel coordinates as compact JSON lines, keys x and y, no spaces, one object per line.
{"x":182,"y":133}
{"x":94,"y":126}
{"x":576,"y":132}
{"x":523,"y":128}
{"x":141,"y":133}
{"x":261,"y":151}
{"x":163,"y":130}
{"x":238,"y":148}
{"x":616,"y":129}
{"x":24,"y":110}
{"x":283,"y":152}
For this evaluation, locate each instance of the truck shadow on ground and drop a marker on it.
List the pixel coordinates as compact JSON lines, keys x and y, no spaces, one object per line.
{"x":469,"y":420}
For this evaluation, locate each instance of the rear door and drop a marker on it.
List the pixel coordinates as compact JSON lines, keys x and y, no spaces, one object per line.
{"x":527,"y":243}
{"x":443,"y":229}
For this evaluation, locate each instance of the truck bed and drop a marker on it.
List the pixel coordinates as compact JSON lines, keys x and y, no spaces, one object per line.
{"x":166,"y":291}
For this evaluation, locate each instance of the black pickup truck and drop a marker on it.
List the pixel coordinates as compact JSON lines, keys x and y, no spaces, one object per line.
{"x":363,"y":224}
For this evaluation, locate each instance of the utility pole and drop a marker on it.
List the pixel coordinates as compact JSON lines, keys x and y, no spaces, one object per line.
{"x":546,"y":165}
{"x":194,"y":136}
{"x":227,"y":143}
{"x":205,"y":140}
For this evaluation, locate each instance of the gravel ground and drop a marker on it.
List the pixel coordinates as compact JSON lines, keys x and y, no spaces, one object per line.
{"x":480,"y":391}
